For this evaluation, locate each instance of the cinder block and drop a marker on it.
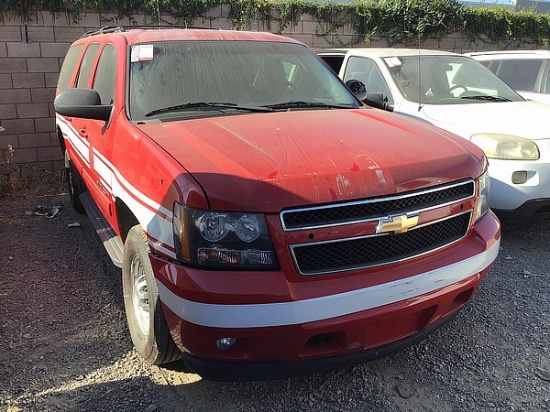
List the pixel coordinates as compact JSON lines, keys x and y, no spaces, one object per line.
{"x":49,"y":153}
{"x":90,"y":20}
{"x":18,"y":126}
{"x":309,"y":27}
{"x":3,"y":49}
{"x":54,"y":49}
{"x":13,"y":65}
{"x":215,"y":12}
{"x":223,"y":24}
{"x":321,"y":42}
{"x":54,"y":139}
{"x":7,"y":111}
{"x":38,"y":34}
{"x":68,"y":34}
{"x":8,"y":140}
{"x":15,"y":96}
{"x":25,"y":155}
{"x":51,"y":79}
{"x":44,"y":95}
{"x":43,"y":65}
{"x":23,"y":49}
{"x":32,"y":110}
{"x":52,"y":110}
{"x":201,"y":23}
{"x":34,"y":140}
{"x":42,"y":19}
{"x":111,"y":19}
{"x":10,"y":33}
{"x":28,"y":80}
{"x":5,"y":81}
{"x":307,"y":17}
{"x":43,"y":125}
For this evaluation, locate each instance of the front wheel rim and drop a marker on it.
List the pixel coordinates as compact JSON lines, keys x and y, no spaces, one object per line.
{"x":140,"y":296}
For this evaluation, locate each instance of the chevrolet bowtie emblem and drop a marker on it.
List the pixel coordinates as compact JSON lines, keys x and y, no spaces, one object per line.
{"x":397,"y":224}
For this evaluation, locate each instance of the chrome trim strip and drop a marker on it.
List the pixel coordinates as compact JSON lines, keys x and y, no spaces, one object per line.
{"x":378,"y":200}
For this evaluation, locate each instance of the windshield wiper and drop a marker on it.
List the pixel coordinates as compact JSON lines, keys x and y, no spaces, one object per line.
{"x":488,"y":97}
{"x":306,"y":105}
{"x":207,"y":105}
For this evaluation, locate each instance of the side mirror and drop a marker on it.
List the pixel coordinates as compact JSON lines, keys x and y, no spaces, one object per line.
{"x":377,"y":100}
{"x":83,"y":103}
{"x":358,"y":88}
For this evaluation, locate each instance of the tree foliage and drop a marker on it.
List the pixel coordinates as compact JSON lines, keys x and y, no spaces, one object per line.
{"x":395,"y":19}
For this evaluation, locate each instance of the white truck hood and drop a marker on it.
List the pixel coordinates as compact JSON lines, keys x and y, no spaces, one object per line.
{"x":526,"y":119}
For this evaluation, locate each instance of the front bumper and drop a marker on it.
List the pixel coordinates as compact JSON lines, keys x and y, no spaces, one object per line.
{"x":235,"y":372}
{"x":525,"y":197}
{"x":279,"y":335}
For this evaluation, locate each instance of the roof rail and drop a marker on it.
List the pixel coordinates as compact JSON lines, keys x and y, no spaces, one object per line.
{"x":103,"y":30}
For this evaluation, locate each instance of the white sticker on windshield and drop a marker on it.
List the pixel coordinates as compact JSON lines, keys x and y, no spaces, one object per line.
{"x":142,"y":53}
{"x":393,"y":61}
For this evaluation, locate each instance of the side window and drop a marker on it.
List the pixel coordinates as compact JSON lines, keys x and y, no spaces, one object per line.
{"x":105,"y":75}
{"x":69,"y":64}
{"x":335,"y":62}
{"x":491,"y":65}
{"x":87,"y":65}
{"x":520,"y":74}
{"x":367,"y":71}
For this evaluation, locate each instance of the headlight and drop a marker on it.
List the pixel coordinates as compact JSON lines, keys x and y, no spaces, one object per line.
{"x":223,"y":240}
{"x":483,"y":200}
{"x":507,"y":147}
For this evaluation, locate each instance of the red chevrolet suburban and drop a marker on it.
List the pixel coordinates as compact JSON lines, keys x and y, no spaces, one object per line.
{"x":267,"y":223}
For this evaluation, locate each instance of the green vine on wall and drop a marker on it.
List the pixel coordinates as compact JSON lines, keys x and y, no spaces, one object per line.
{"x":397,"y":20}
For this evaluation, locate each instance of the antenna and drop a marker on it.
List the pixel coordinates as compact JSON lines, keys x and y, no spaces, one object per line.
{"x":419,"y":76}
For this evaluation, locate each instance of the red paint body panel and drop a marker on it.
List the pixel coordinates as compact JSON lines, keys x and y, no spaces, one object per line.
{"x":351,"y":333}
{"x":266,"y":162}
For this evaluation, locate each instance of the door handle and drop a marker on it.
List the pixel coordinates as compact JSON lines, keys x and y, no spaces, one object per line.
{"x":83,"y":133}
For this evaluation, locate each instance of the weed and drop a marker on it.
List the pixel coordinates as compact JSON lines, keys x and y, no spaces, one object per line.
{"x":20,"y":179}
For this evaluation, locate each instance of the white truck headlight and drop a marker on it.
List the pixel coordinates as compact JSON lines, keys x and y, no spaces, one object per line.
{"x":506,"y":147}
{"x":222,"y":240}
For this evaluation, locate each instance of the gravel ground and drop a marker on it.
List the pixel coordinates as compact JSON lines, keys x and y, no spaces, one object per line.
{"x":64,"y":345}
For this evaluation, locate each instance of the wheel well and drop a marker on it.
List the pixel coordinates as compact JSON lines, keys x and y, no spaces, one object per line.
{"x":61,"y":141}
{"x":126,"y":219}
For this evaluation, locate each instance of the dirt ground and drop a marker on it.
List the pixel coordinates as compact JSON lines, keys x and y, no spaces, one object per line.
{"x":64,"y":345}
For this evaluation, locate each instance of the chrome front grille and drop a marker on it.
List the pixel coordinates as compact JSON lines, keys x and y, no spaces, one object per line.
{"x":378,"y":249}
{"x":360,"y":211}
{"x":368,"y":251}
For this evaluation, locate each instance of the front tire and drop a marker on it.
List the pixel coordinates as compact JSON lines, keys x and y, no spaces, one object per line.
{"x":146,"y":320}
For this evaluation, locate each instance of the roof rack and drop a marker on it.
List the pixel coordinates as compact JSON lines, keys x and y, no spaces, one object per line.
{"x":103,"y":30}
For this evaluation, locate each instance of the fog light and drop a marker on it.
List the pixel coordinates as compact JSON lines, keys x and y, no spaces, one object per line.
{"x":225,"y":343}
{"x":519,"y":178}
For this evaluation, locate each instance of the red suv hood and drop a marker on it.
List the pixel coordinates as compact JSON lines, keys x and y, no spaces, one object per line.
{"x":265,"y":162}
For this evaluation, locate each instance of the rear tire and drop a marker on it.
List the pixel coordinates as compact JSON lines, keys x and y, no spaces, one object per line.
{"x":146,"y":320}
{"x":76,"y":187}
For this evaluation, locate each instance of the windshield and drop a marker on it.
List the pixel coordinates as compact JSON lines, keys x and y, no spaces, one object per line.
{"x":209,"y":78}
{"x":447,"y":79}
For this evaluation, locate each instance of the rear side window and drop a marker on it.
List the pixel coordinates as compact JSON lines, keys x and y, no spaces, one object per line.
{"x":520,"y":74}
{"x":105,"y":76}
{"x":87,"y":65}
{"x":69,"y":64}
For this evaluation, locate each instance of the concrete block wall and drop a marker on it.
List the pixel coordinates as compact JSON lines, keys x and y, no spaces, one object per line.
{"x":31,"y":55}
